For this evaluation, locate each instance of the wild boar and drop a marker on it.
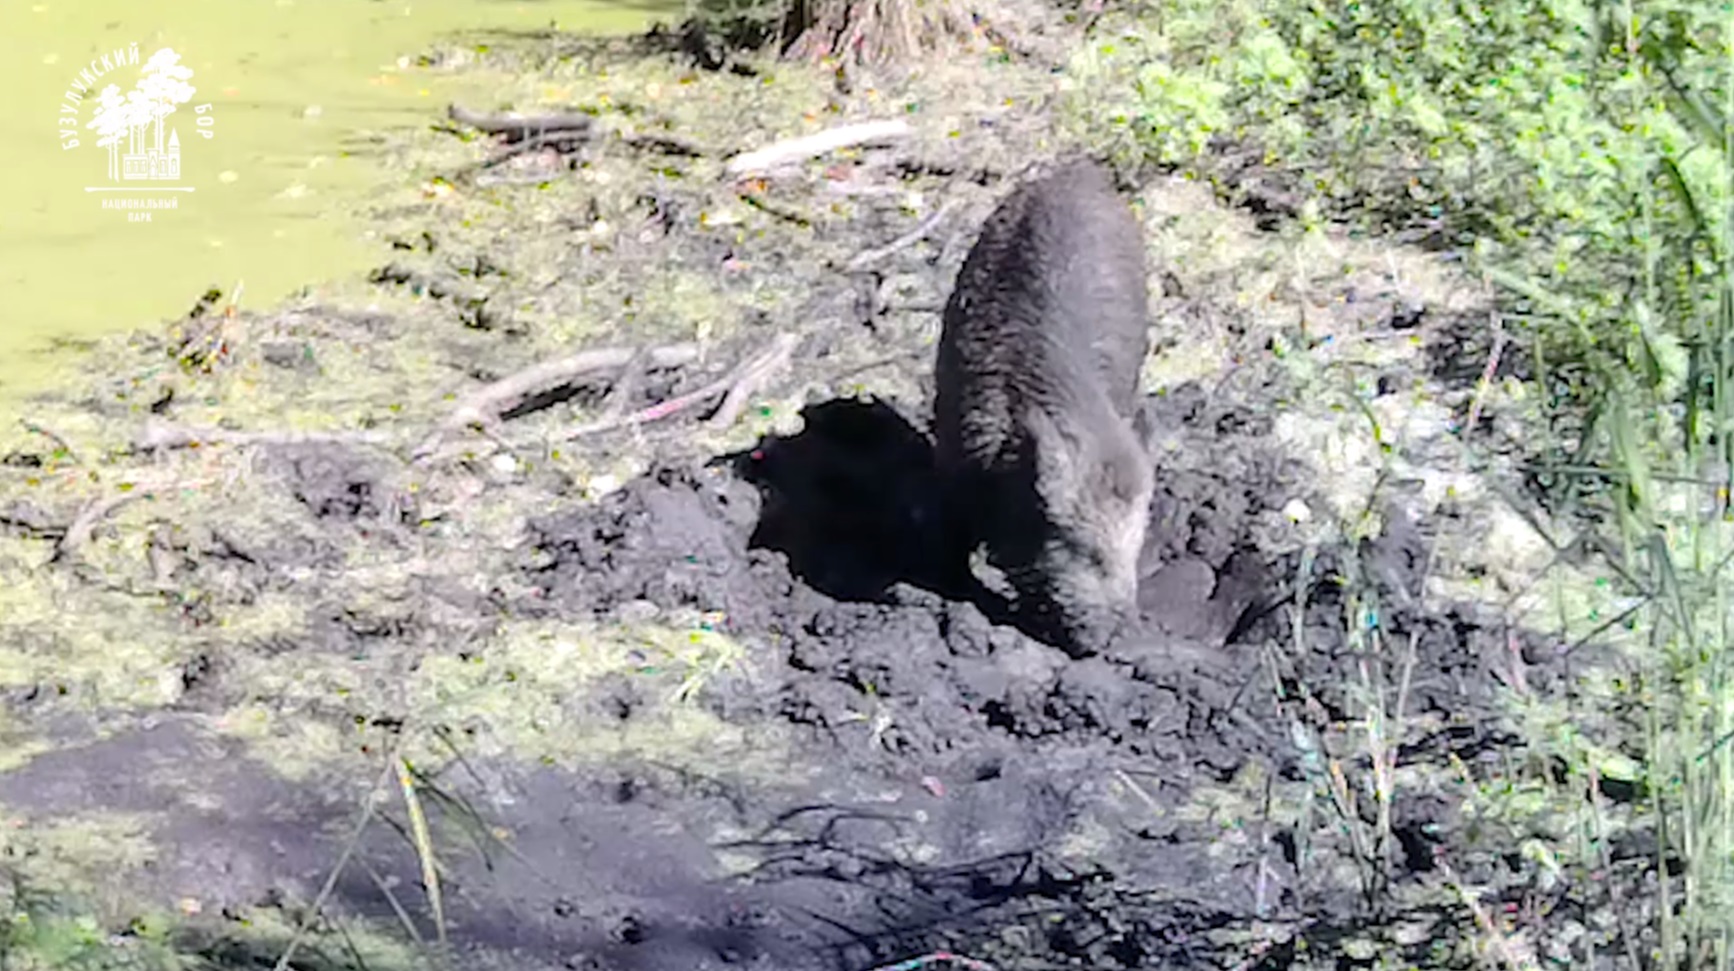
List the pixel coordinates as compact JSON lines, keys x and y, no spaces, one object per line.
{"x":1039,"y":443}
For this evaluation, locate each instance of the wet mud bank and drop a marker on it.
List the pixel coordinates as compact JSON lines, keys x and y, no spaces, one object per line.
{"x":587,"y":552}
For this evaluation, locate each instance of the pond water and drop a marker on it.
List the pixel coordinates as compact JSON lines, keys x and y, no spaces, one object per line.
{"x":88,"y":244}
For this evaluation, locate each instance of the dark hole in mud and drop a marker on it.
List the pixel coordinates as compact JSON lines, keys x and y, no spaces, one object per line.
{"x":851,"y":500}
{"x":337,"y":482}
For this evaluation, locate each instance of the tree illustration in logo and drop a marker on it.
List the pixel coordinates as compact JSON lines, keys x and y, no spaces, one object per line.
{"x":111,"y":125}
{"x":138,"y":119}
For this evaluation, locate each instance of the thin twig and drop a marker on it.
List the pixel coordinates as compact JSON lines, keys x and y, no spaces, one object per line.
{"x":808,"y":146}
{"x":655,"y":412}
{"x":626,"y":385}
{"x":1511,"y":950}
{"x":784,"y":213}
{"x":531,"y":178}
{"x":665,"y":144}
{"x":905,"y":241}
{"x":736,"y":386}
{"x":161,"y":435}
{"x":79,"y":533}
{"x":51,"y":435}
{"x":84,"y":524}
{"x":349,"y":847}
{"x":484,"y":405}
{"x":565,"y":143}
{"x":517,"y":129}
{"x":751,"y":377}
{"x":384,"y":888}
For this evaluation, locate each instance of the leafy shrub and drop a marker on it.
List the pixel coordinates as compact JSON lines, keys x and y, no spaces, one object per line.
{"x":1578,"y":158}
{"x":1580,"y":153}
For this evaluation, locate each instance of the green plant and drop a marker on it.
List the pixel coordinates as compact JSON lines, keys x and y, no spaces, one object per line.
{"x":1580,"y":155}
{"x":739,"y":24}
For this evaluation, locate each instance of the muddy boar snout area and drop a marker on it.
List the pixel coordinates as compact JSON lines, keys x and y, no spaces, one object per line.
{"x":855,"y":504}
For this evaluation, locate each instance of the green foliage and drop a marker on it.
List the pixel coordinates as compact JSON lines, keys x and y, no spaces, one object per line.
{"x":39,"y":933}
{"x":1580,"y":153}
{"x":738,"y":24}
{"x":1529,"y":129}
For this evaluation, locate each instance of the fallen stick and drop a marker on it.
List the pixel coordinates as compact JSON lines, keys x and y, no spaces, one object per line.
{"x":515,"y":129}
{"x":32,"y":521}
{"x":484,"y":405}
{"x":626,"y":385}
{"x":485,"y":180}
{"x":95,"y":511}
{"x":564,"y":143}
{"x":809,"y":146}
{"x":903,"y":242}
{"x":751,"y":377}
{"x":655,"y":412}
{"x":775,"y":211}
{"x":52,"y":436}
{"x":84,"y":524}
{"x":157,"y":435}
{"x":736,"y":387}
{"x":663,"y":143}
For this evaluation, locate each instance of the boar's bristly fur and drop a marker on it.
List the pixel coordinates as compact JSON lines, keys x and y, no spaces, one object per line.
{"x":1042,"y":459}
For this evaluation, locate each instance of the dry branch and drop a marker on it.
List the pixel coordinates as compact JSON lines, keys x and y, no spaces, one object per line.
{"x":484,"y":405}
{"x":665,"y":144}
{"x":563,"y":143}
{"x":484,"y":180}
{"x":626,"y":385}
{"x":161,"y":435}
{"x":564,"y":132}
{"x":52,"y":435}
{"x":808,"y":146}
{"x":95,"y":511}
{"x":518,"y":129}
{"x":735,"y":387}
{"x":903,"y":242}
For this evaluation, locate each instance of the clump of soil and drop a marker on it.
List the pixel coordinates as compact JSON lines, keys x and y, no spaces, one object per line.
{"x":657,"y":639}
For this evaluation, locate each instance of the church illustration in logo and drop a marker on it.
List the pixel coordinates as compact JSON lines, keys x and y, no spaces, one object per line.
{"x":153,"y":164}
{"x":133,"y":126}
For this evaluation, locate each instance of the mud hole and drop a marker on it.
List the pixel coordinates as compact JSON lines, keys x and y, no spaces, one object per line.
{"x":682,"y":696}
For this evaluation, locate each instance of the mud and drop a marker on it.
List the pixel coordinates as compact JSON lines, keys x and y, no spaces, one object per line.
{"x":951,"y":784}
{"x":679,"y":697}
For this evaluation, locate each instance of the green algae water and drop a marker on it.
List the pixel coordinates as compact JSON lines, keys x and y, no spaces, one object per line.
{"x":118,"y":214}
